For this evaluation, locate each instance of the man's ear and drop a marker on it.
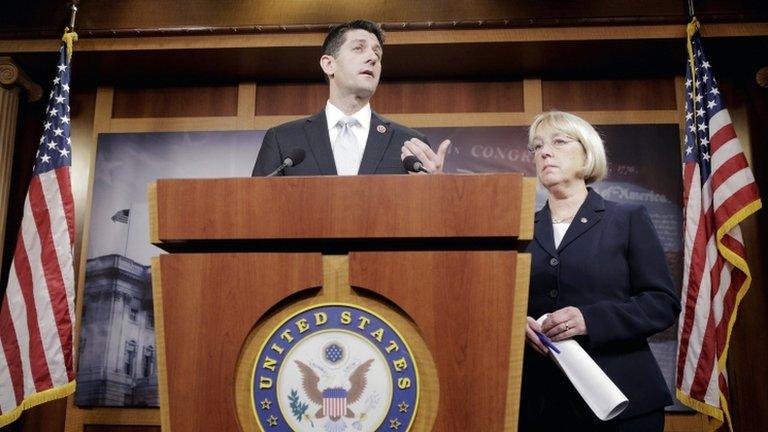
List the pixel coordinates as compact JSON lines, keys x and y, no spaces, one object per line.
{"x":328,"y":64}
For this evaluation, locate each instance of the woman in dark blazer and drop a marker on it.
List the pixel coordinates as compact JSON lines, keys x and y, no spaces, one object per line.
{"x":598,"y":270}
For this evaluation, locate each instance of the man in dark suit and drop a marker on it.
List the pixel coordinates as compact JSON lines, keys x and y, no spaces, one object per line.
{"x":347,"y":137}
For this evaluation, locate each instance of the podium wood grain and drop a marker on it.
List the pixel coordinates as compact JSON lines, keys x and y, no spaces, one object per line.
{"x":207,"y":306}
{"x":344,"y":207}
{"x":464,"y":303}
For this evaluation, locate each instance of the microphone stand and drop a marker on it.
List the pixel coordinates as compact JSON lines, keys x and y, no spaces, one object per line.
{"x":282,"y":166}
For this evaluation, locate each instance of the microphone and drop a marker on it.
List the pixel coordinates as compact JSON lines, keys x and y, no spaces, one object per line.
{"x":295,"y":157}
{"x":413,"y":164}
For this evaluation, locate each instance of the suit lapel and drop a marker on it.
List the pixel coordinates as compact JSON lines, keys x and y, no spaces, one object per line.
{"x":376,"y":145}
{"x":316,"y":131}
{"x":589,"y":215}
{"x":542,"y":230}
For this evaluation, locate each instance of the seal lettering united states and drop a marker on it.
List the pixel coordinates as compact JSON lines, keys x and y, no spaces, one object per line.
{"x":335,"y":368}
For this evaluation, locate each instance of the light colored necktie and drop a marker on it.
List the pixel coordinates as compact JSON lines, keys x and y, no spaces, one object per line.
{"x":346,"y":151}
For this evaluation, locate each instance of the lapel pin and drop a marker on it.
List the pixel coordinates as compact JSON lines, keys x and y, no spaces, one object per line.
{"x":583,"y":220}
{"x":381,"y":128}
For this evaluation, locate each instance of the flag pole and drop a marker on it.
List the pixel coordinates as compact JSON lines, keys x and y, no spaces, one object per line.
{"x":73,"y":16}
{"x":70,"y":37}
{"x":691,"y":30}
{"x":128,"y":233}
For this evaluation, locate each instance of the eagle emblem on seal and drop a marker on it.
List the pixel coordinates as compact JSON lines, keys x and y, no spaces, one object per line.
{"x":333,"y":394}
{"x":334,"y":368}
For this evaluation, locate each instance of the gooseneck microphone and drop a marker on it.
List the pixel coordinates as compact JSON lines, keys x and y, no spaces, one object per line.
{"x":294,"y":157}
{"x":413,"y":164}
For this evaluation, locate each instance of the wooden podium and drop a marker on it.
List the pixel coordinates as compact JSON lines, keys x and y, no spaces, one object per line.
{"x":436,"y":257}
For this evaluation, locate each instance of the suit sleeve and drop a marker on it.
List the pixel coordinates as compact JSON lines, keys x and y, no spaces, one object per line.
{"x":652,"y":306}
{"x":269,"y":156}
{"x":409,"y":133}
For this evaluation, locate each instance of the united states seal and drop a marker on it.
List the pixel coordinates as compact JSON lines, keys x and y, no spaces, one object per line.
{"x":334,"y":368}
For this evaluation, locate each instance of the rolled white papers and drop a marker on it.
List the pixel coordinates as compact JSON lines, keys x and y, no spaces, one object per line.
{"x":598,"y":391}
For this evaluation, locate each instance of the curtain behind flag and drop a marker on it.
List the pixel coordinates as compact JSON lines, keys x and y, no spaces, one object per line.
{"x":37,"y":311}
{"x":719,"y":192}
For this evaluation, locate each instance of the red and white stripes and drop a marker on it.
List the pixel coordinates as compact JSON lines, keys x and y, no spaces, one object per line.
{"x":37,"y":313}
{"x":715,"y":272}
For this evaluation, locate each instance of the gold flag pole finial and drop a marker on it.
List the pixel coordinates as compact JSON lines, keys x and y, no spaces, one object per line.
{"x":70,"y":37}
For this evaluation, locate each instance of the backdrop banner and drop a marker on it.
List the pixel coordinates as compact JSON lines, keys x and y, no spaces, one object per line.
{"x":117,"y":361}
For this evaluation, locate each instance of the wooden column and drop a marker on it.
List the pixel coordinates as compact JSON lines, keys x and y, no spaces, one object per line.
{"x":13,"y":81}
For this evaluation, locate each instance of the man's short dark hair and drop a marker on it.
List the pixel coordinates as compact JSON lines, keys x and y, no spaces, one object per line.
{"x":335,"y":38}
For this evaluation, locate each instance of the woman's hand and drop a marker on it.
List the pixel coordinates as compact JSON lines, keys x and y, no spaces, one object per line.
{"x":532,"y":338}
{"x":564,"y":324}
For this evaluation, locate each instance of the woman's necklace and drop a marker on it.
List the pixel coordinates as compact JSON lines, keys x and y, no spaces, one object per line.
{"x":565,"y":219}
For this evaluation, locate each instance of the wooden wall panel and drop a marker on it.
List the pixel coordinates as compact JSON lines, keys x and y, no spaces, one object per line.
{"x":685,"y":422}
{"x":606,"y":95}
{"x":291,"y":98}
{"x":31,"y":116}
{"x":47,"y":417}
{"x":449,"y":97}
{"x":398,"y":97}
{"x":220,"y":101}
{"x":115,"y":428}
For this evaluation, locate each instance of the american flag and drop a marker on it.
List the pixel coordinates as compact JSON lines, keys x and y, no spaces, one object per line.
{"x":719,"y":192}
{"x":121,"y":216}
{"x":37,"y":312}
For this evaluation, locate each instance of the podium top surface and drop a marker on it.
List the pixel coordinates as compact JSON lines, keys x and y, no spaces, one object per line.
{"x":367,"y":209}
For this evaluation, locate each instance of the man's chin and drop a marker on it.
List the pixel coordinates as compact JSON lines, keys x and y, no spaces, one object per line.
{"x":365,"y":92}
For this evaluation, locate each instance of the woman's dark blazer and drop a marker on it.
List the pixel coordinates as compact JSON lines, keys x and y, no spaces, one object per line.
{"x":610,"y":265}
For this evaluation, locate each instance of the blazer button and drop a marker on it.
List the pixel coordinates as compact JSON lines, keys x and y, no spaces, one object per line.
{"x":554,"y":262}
{"x":553,"y":293}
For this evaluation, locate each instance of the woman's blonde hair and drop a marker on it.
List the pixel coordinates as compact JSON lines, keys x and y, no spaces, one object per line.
{"x":596,"y":166}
